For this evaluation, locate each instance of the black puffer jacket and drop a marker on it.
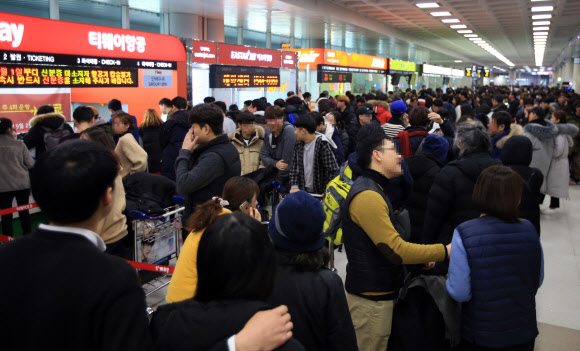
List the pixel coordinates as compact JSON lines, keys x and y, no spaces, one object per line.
{"x":197,"y":326}
{"x":39,"y":125}
{"x":450,"y":197}
{"x":171,"y":138}
{"x":317,"y":303}
{"x":151,"y":144}
{"x":517,"y":154}
{"x":424,"y":168}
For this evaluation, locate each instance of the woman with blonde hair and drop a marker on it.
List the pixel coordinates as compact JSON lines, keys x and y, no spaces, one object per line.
{"x":149,"y":132}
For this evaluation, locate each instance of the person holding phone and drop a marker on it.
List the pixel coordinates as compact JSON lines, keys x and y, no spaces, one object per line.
{"x":240,"y":194}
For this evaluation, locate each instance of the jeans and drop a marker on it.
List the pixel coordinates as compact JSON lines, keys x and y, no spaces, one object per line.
{"x":22,"y":198}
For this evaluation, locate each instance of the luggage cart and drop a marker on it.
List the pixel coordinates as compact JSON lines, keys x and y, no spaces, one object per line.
{"x":157,"y":242}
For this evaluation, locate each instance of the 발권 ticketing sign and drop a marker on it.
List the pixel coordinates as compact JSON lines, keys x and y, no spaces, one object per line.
{"x":243,"y":77}
{"x":20,"y":76}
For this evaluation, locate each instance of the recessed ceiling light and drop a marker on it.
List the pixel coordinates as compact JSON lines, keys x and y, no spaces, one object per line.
{"x":457,"y":61}
{"x":440,"y":13}
{"x":427,"y":5}
{"x":462,"y":31}
{"x":450,"y":20}
{"x":541,"y":23}
{"x":537,"y":17}
{"x":541,"y":28}
{"x":470,"y":35}
{"x":542,"y":8}
{"x":458,"y":26}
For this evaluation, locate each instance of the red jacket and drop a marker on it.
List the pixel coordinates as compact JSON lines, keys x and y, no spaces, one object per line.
{"x":382,"y":110}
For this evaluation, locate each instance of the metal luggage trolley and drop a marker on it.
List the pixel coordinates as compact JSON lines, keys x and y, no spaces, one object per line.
{"x":157,"y":242}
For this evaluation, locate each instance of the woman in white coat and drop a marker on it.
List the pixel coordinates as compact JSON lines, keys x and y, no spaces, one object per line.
{"x":559,"y":172}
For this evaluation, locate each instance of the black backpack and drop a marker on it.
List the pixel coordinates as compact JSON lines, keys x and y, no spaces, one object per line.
{"x":52,"y":136}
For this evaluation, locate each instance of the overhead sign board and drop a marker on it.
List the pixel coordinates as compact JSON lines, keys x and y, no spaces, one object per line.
{"x":333,"y":77}
{"x":329,"y":68}
{"x":438,"y":70}
{"x":315,"y":57}
{"x":289,"y":59}
{"x":32,"y":34}
{"x":31,"y":58}
{"x":457,"y":73}
{"x":345,"y":59}
{"x":402,"y":67}
{"x":204,"y":52}
{"x":23,"y":76}
{"x":243,"y":77}
{"x":248,"y":56}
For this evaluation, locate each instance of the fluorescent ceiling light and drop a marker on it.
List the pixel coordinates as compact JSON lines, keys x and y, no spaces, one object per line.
{"x":427,"y":5}
{"x":541,"y":28}
{"x":541,"y":39}
{"x":450,"y":20}
{"x":470,"y":35}
{"x":542,"y":8}
{"x":462,"y":31}
{"x":440,"y":13}
{"x":541,"y":33}
{"x":479,"y":41}
{"x":537,"y":17}
{"x":474,"y":38}
{"x":541,"y":23}
{"x":457,"y":61}
{"x":458,"y":26}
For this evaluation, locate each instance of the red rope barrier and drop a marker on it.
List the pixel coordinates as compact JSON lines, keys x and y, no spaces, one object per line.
{"x":18,"y":209}
{"x":152,"y":267}
{"x":5,"y":239}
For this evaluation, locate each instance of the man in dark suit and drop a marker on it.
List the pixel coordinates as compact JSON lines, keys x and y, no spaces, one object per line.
{"x":59,"y":289}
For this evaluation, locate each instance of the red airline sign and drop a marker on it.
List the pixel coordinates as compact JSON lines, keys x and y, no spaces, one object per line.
{"x":246,"y":56}
{"x":288,"y":59}
{"x":31,"y":34}
{"x":204,"y":52}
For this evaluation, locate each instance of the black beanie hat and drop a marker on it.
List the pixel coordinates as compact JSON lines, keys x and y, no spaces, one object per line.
{"x":517,"y":150}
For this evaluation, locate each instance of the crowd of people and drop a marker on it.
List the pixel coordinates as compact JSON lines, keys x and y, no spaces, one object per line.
{"x":442,"y":189}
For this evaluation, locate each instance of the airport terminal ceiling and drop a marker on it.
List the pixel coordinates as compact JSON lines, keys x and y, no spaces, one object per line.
{"x":488,"y":32}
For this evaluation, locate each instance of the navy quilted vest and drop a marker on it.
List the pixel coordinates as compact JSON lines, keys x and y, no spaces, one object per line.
{"x":505,"y":262}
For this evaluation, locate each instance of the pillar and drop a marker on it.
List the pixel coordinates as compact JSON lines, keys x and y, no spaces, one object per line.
{"x":215,"y":30}
{"x":53,"y":9}
{"x":576,"y":74}
{"x":125,"y":21}
{"x":183,"y":25}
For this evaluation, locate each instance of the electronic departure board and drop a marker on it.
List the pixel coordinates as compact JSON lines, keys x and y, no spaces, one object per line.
{"x":21,"y":76}
{"x":243,"y":77}
{"x":333,"y":77}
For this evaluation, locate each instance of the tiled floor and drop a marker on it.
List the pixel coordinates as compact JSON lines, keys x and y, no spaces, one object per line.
{"x":558,"y":300}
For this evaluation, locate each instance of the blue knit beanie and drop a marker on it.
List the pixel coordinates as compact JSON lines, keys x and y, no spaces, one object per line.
{"x":435,"y":145}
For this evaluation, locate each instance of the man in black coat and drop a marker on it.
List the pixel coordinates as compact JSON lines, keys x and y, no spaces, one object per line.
{"x":207,"y":158}
{"x":449,"y":201}
{"x":517,"y":155}
{"x":424,"y":167}
{"x":59,"y":289}
{"x":172,"y":134}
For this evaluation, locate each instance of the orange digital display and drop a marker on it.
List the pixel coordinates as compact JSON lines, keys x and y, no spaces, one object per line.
{"x":56,"y":76}
{"x":243,"y":77}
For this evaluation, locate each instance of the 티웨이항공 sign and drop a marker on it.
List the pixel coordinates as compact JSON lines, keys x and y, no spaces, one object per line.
{"x":243,"y":77}
{"x":14,"y":76}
